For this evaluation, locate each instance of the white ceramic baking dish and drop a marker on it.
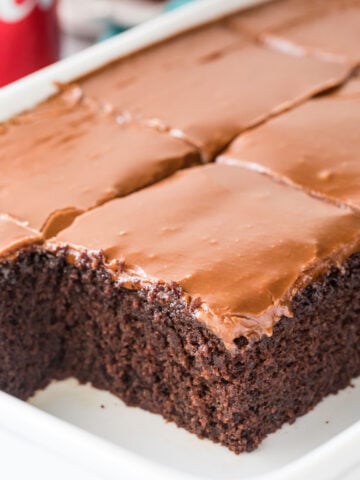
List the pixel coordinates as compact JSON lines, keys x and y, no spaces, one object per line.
{"x":80,"y":432}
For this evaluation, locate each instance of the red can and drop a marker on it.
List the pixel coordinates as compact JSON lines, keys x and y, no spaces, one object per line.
{"x":29,"y":37}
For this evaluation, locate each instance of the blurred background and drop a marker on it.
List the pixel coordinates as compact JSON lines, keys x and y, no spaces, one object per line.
{"x":86,"y":21}
{"x":35,"y":33}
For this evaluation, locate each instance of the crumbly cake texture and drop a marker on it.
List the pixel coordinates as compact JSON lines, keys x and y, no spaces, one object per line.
{"x":222,"y":296}
{"x":147,"y":347}
{"x":183,"y":230}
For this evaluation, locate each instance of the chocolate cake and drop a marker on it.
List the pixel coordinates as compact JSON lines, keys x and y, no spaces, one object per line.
{"x":313,"y":147}
{"x":224,"y":297}
{"x":208,"y":100}
{"x":315,"y":37}
{"x":82,"y":156}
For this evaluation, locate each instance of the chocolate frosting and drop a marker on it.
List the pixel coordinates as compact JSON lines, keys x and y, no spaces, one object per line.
{"x":241,"y":242}
{"x":276,"y":14}
{"x":238,"y":243}
{"x":180,"y":52}
{"x":333,"y":35}
{"x":350,"y":89}
{"x":14,"y":235}
{"x":62,"y":158}
{"x":210,"y":99}
{"x":315,"y":146}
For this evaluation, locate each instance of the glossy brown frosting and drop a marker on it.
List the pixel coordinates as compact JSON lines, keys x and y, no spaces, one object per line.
{"x":351,"y":88}
{"x":332,"y":35}
{"x":276,"y":14}
{"x":209,"y":99}
{"x":14,"y":235}
{"x":183,"y":51}
{"x":237,"y":240}
{"x":62,"y":159}
{"x":239,"y":243}
{"x":315,"y":146}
